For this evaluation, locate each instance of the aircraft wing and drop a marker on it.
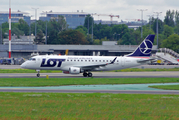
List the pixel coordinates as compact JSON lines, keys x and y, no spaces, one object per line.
{"x":91,"y":67}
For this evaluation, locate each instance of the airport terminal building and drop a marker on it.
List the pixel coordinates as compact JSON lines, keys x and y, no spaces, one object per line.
{"x":15,"y":16}
{"x":73,"y":19}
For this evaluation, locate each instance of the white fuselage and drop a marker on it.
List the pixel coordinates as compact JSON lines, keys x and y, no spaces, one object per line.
{"x":55,"y":62}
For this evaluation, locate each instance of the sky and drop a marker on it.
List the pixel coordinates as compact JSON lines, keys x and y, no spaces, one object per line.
{"x":126,"y":9}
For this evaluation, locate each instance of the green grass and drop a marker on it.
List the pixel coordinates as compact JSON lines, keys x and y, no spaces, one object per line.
{"x":94,"y":106}
{"x":58,"y":71}
{"x":27,"y":71}
{"x":80,"y":81}
{"x":166,"y":87}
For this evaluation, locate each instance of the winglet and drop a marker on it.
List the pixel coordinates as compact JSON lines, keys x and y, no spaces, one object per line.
{"x":145,"y":48}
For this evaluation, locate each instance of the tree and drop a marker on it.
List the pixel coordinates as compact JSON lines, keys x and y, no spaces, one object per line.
{"x":71,"y":37}
{"x":40,"y":37}
{"x":137,"y":36}
{"x":88,"y":23}
{"x":160,"y":26}
{"x":17,"y":32}
{"x":176,"y":17}
{"x":5,"y":29}
{"x":82,"y":29}
{"x":126,"y":39}
{"x":119,"y":30}
{"x":55,"y":27}
{"x":59,"y":24}
{"x":99,"y":41}
{"x":23,"y":26}
{"x":169,"y":18}
{"x":172,"y":42}
{"x":53,"y":37}
{"x":176,"y":29}
{"x":167,"y":31}
{"x":146,"y":32}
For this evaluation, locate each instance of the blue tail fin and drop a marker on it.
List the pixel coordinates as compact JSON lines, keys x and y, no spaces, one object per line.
{"x":145,"y":48}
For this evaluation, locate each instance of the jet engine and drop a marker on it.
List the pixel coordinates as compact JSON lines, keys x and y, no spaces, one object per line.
{"x":74,"y":70}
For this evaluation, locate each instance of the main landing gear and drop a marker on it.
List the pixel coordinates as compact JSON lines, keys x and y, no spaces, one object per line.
{"x":89,"y":74}
{"x":38,"y":73}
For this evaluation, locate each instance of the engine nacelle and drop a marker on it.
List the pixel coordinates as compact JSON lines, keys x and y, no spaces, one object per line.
{"x":74,"y":70}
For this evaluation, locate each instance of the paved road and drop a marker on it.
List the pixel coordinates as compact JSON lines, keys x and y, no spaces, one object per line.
{"x":92,"y":91}
{"x":173,"y":74}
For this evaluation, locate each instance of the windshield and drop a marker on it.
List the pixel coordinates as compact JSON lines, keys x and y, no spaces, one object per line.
{"x":32,"y":59}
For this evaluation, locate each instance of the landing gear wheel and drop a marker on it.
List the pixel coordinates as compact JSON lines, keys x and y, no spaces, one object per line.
{"x":90,"y":74}
{"x":85,"y":74}
{"x":38,"y":75}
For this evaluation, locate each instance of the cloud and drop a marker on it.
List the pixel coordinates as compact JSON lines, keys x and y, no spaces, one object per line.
{"x":127,"y":9}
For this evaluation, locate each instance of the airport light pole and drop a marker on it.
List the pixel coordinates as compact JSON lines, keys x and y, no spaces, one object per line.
{"x":150,"y":17}
{"x":88,"y":24}
{"x":142,"y":10}
{"x":114,"y":36}
{"x":119,"y":36}
{"x":92,"y":25}
{"x":30,"y":27}
{"x":92,"y":29}
{"x":157,"y":13}
{"x":46,"y":27}
{"x":35,"y":20}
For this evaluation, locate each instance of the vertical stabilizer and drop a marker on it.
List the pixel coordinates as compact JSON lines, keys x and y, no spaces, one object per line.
{"x":145,"y":48}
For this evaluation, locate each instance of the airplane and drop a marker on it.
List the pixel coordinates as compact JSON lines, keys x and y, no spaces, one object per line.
{"x":86,"y":64}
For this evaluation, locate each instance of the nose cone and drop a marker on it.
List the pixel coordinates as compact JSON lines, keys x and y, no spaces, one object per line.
{"x":23,"y":65}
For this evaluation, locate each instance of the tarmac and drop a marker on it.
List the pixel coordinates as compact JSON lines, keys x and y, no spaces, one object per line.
{"x":170,"y":74}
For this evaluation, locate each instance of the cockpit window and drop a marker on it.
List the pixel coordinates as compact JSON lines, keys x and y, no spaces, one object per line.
{"x":32,"y":59}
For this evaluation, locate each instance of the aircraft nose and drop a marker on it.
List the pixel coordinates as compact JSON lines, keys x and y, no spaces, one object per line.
{"x":23,"y":65}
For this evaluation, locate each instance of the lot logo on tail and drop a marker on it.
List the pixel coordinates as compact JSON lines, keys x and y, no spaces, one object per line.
{"x":146,"y":47}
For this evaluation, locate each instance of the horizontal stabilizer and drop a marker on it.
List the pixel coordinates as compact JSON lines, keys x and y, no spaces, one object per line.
{"x":146,"y":60}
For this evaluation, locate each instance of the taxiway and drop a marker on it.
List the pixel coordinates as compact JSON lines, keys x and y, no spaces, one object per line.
{"x":172,"y":74}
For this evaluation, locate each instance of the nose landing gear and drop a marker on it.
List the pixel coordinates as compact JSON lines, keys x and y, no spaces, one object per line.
{"x":38,"y":73}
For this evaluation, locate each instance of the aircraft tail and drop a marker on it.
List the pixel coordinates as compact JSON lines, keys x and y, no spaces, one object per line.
{"x":145,"y":48}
